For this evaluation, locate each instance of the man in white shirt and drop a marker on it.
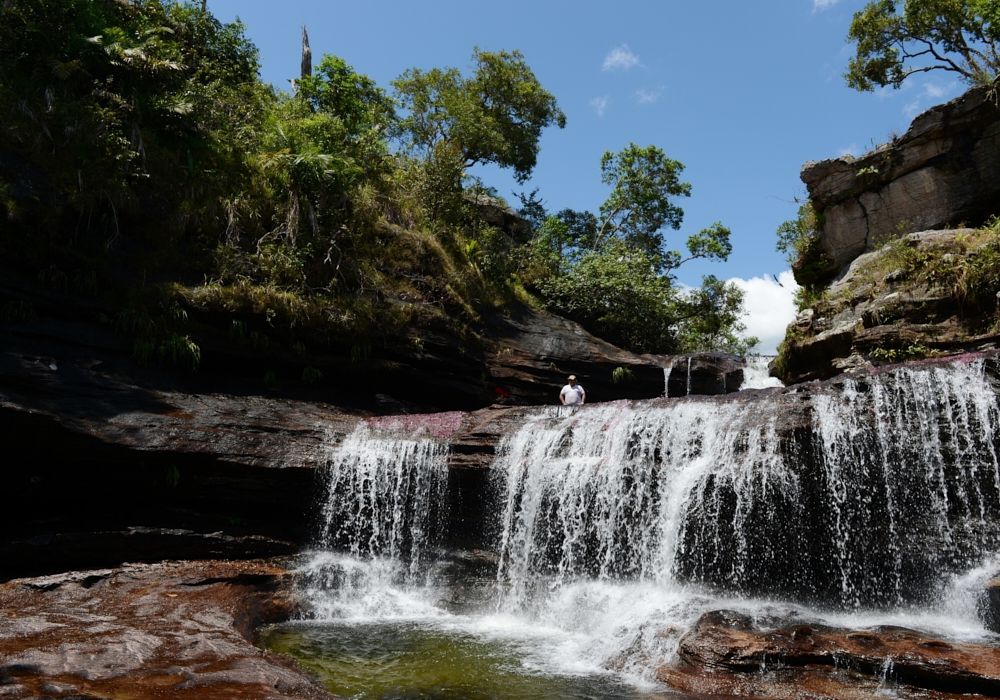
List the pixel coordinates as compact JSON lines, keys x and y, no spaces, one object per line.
{"x":572,"y":394}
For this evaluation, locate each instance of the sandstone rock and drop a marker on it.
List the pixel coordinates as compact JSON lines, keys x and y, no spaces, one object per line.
{"x":537,"y":350}
{"x":178,"y":630}
{"x":729,"y":654}
{"x":944,"y":170}
{"x":874,"y":313}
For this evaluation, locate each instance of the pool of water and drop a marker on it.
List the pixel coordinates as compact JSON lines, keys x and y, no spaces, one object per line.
{"x":379,"y":631}
{"x":398,"y":660}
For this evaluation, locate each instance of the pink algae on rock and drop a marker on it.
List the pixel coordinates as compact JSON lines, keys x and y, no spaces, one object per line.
{"x":436,"y":425}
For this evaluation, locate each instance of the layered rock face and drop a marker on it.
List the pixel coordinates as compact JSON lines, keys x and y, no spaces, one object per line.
{"x":903,"y":301}
{"x":944,"y":170}
{"x":906,"y":280}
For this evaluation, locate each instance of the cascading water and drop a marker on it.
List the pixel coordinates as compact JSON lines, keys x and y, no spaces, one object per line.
{"x":755,"y":373}
{"x":619,"y":524}
{"x":890,"y":485}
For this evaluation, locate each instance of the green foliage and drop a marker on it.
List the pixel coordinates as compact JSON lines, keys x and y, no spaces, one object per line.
{"x":180,"y":351}
{"x":311,"y":375}
{"x":794,"y":236}
{"x":613,"y":274}
{"x":18,"y":312}
{"x":494,"y":116}
{"x":617,"y":294}
{"x":336,"y":89}
{"x":111,"y":110}
{"x":139,"y":147}
{"x":270,"y":380}
{"x":621,"y":374}
{"x":173,"y":476}
{"x":896,"y":39}
{"x":643,"y":183}
{"x":913,"y":351}
{"x":143,"y":350}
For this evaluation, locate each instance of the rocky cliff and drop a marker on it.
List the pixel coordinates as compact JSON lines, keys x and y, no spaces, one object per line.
{"x":893,"y":270}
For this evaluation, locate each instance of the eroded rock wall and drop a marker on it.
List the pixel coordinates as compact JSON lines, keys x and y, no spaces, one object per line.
{"x":945,"y":170}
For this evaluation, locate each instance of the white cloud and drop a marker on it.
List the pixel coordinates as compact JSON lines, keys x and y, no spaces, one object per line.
{"x":770,"y":307}
{"x":852,"y":150}
{"x":912,"y":109}
{"x":620,"y":58}
{"x":934,"y":91}
{"x":600,"y":104}
{"x":644,"y":97}
{"x":820,"y":5}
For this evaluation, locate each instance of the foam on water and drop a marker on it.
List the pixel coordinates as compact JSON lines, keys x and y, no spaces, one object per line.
{"x":755,"y":373}
{"x":620,"y":524}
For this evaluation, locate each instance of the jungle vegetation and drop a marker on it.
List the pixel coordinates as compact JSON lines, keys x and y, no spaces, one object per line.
{"x":143,"y":161}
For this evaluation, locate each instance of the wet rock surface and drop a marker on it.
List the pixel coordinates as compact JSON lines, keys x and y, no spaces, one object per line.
{"x":728,"y":654}
{"x":177,"y":630}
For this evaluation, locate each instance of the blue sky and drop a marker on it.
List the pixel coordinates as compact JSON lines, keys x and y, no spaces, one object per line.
{"x":743,"y":93}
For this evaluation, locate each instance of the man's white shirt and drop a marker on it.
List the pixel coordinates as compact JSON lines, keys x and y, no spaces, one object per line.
{"x":573,"y":395}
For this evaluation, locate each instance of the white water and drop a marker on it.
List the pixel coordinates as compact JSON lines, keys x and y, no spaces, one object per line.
{"x":620,"y":524}
{"x":755,"y":374}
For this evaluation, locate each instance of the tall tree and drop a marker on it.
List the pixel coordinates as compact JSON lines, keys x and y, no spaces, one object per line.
{"x":895,"y":40}
{"x":494,"y":116}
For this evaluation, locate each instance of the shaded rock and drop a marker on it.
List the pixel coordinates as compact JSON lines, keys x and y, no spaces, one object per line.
{"x":537,"y":350}
{"x":988,"y":606}
{"x":730,"y":654}
{"x":943,"y":171}
{"x":181,"y":630}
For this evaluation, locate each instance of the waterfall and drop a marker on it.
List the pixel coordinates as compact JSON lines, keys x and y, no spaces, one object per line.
{"x":870,"y":500}
{"x":384,"y":496}
{"x":882,"y":490}
{"x":755,"y":373}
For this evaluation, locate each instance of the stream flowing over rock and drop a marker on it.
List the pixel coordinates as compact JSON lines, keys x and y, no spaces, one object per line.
{"x":864,"y":501}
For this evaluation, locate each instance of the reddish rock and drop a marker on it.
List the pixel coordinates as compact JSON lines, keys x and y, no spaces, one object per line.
{"x":726,"y":654}
{"x":177,"y":630}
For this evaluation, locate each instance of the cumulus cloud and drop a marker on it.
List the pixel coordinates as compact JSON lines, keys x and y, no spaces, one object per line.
{"x":770,"y":307}
{"x":820,"y":5}
{"x":620,"y":58}
{"x":600,"y":104}
{"x":851,"y":150}
{"x":644,"y":97}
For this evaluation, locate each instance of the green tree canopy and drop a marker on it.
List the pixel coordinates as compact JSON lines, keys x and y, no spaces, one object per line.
{"x":494,"y":116}
{"x":614,"y":274}
{"x":119,"y":106}
{"x":896,"y":39}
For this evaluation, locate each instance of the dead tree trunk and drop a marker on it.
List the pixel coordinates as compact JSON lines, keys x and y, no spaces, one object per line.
{"x":307,"y":54}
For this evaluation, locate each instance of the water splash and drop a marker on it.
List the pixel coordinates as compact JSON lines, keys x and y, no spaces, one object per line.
{"x":755,"y":373}
{"x":385,"y":496}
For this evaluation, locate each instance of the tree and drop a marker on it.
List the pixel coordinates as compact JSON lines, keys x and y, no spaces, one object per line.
{"x":897,"y":39}
{"x":613,"y":274}
{"x":643,"y":181}
{"x":338,"y":90}
{"x":494,"y":116}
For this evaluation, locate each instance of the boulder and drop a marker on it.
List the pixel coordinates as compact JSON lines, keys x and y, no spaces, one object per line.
{"x":730,"y":654}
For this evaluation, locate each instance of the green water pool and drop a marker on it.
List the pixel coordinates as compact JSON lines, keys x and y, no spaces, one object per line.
{"x":409,"y":660}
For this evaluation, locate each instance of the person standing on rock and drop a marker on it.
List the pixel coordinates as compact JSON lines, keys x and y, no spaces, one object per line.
{"x":572,"y":394}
